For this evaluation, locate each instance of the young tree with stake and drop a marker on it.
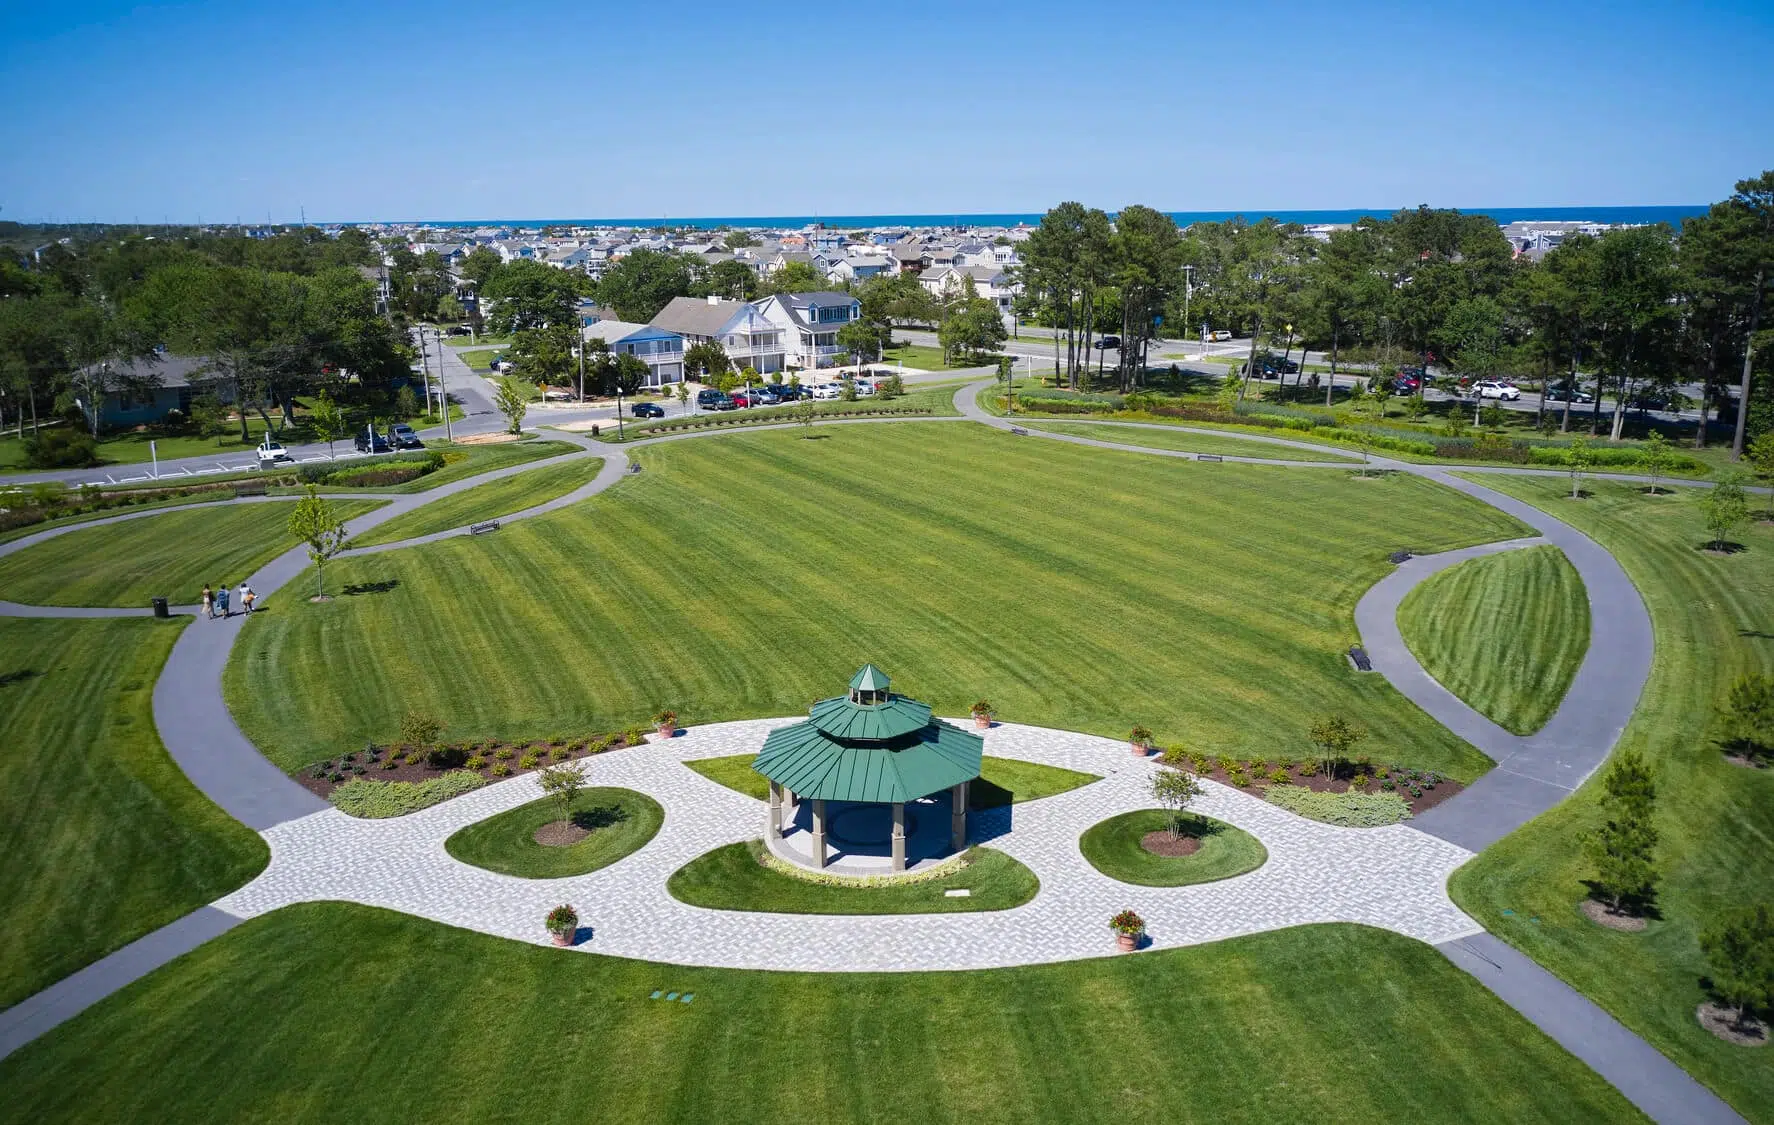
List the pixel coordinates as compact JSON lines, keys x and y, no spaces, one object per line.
{"x":1174,"y":789}
{"x":563,"y":783}
{"x":1725,"y":507}
{"x":513,"y":402}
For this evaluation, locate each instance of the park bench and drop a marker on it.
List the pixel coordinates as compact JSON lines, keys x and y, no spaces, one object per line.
{"x":1358,"y":657}
{"x":1398,"y":557}
{"x":1208,"y":457}
{"x":250,"y":488}
{"x":484,"y":528}
{"x":634,"y":467}
{"x":1019,"y":431}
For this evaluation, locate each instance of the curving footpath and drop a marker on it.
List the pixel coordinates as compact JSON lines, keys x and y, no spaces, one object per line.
{"x":1309,"y":876}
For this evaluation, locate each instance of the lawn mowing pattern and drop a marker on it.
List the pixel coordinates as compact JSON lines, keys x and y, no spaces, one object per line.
{"x":319,"y":1012}
{"x":105,"y":839}
{"x":1002,"y":781}
{"x":171,"y":555}
{"x":106,"y":513}
{"x":462,"y":461}
{"x":486,"y":501}
{"x":506,"y":843}
{"x":1113,"y":847}
{"x":736,"y":577}
{"x":731,"y":878}
{"x":1713,"y":617}
{"x":1191,"y":442}
{"x":1505,"y":633}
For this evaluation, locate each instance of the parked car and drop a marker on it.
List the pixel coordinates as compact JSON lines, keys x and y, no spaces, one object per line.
{"x":866,"y":387}
{"x":271,"y":452}
{"x":1492,"y":388}
{"x":1270,"y":365}
{"x":403,"y":437}
{"x":767,"y":397}
{"x":710,"y":399}
{"x":1566,"y":393}
{"x":369,"y":441}
{"x":785,"y":393}
{"x":828,"y":390}
{"x":1404,"y":385}
{"x":1219,"y":335}
{"x":457,"y":330}
{"x":503,"y":366}
{"x":1108,"y":343}
{"x":1650,"y":400}
{"x":647,"y":410}
{"x":746,"y":398}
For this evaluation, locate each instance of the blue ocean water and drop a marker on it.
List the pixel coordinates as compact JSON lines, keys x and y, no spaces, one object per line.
{"x":1601,"y":214}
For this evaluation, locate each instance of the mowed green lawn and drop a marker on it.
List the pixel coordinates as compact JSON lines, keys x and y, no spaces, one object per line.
{"x":334,"y":1012}
{"x":1191,"y":442}
{"x":746,"y":575}
{"x":461,"y":461}
{"x":170,"y":555}
{"x":104,"y":838}
{"x":486,"y":501}
{"x":1714,"y":621}
{"x":1505,"y":633}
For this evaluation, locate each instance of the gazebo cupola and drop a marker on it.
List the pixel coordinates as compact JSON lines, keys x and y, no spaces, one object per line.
{"x":870,"y":747}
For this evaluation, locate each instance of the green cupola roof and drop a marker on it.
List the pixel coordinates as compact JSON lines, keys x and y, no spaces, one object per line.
{"x":870,"y":746}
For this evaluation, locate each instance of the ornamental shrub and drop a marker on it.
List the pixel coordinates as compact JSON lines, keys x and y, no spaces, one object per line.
{"x":1350,"y":810}
{"x":1239,"y":777}
{"x":529,"y":761}
{"x":501,"y":769}
{"x":378,"y":800}
{"x":505,"y":753}
{"x":63,"y":448}
{"x":446,"y":757}
{"x":475,"y":762}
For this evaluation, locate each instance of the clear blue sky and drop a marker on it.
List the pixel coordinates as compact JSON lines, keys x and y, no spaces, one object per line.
{"x":368,"y":110}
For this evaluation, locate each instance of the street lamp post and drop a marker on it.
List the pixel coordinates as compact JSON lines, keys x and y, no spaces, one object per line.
{"x":1188,"y":290}
{"x":443,"y":390}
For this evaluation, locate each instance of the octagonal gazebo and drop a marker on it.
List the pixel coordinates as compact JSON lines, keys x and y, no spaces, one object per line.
{"x":870,"y":747}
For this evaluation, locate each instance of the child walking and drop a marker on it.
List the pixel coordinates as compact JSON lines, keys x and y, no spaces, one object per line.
{"x":222,"y":599}
{"x":209,"y":602}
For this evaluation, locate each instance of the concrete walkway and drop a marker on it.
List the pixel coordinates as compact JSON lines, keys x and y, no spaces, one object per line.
{"x":1308,"y":878}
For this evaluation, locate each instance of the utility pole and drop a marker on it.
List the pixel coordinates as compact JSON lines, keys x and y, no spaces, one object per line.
{"x":443,"y":391}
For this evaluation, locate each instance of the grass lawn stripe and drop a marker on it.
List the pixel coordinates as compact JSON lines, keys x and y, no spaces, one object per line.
{"x":1712,"y":617}
{"x":735,"y":578}
{"x":171,"y":555}
{"x":297,"y":1014}
{"x":486,"y":501}
{"x":105,"y":838}
{"x":1504,"y":632}
{"x":1192,"y":442}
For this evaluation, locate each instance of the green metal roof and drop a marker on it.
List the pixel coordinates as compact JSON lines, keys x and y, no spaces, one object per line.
{"x":869,"y":678}
{"x":817,"y":766}
{"x":870,"y":722}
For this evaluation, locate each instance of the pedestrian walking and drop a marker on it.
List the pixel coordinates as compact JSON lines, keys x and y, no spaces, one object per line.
{"x":209,"y":602}
{"x":222,"y":599}
{"x":246,"y":596}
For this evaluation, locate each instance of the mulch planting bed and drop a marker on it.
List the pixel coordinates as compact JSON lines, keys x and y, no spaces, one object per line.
{"x":1431,"y":788}
{"x":560,"y":834}
{"x":404,"y":762}
{"x":1599,"y":913}
{"x":1722,"y":1022}
{"x":1172,"y":847}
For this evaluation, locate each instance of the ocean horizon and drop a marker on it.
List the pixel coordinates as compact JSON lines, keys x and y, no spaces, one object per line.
{"x":1598,"y":214}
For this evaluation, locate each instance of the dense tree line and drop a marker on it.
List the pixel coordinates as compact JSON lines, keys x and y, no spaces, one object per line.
{"x":273,"y":318}
{"x":1634,"y":311}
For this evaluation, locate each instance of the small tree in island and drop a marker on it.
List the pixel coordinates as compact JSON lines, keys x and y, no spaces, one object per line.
{"x":316,"y":524}
{"x":1656,"y":459}
{"x":1174,"y":789}
{"x":563,"y":783}
{"x":327,"y":422}
{"x":1623,"y":847}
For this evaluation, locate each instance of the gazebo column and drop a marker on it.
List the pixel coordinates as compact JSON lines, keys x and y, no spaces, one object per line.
{"x":775,"y":827}
{"x":958,"y":817}
{"x":819,"y":832}
{"x":899,"y":835}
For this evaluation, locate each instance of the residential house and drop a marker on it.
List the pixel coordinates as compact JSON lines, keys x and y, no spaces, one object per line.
{"x":810,"y":323}
{"x":661,"y":351}
{"x":748,"y":338}
{"x":990,"y":282}
{"x":148,"y":390}
{"x":860,"y":267}
{"x":909,"y":257}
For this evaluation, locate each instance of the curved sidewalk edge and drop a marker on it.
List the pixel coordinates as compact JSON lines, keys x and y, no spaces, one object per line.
{"x":43,"y":1011}
{"x":1665,"y":1092}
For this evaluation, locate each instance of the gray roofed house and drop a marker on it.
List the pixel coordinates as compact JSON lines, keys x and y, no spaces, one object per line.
{"x":749,"y":338}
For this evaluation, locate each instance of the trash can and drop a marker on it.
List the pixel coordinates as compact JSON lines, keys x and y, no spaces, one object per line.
{"x":160,"y":608}
{"x":594,"y":429}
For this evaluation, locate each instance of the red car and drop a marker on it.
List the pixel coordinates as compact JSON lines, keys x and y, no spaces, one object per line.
{"x":746,"y":398}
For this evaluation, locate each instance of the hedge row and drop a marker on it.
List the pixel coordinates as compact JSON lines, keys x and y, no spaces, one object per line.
{"x":705,"y":421}
{"x":396,"y":469}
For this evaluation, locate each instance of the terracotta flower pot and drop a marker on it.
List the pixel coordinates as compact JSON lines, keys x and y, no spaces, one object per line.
{"x":1139,"y":749}
{"x":983,"y":722}
{"x":667,"y":730}
{"x":562,"y":939}
{"x":1127,"y":942}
